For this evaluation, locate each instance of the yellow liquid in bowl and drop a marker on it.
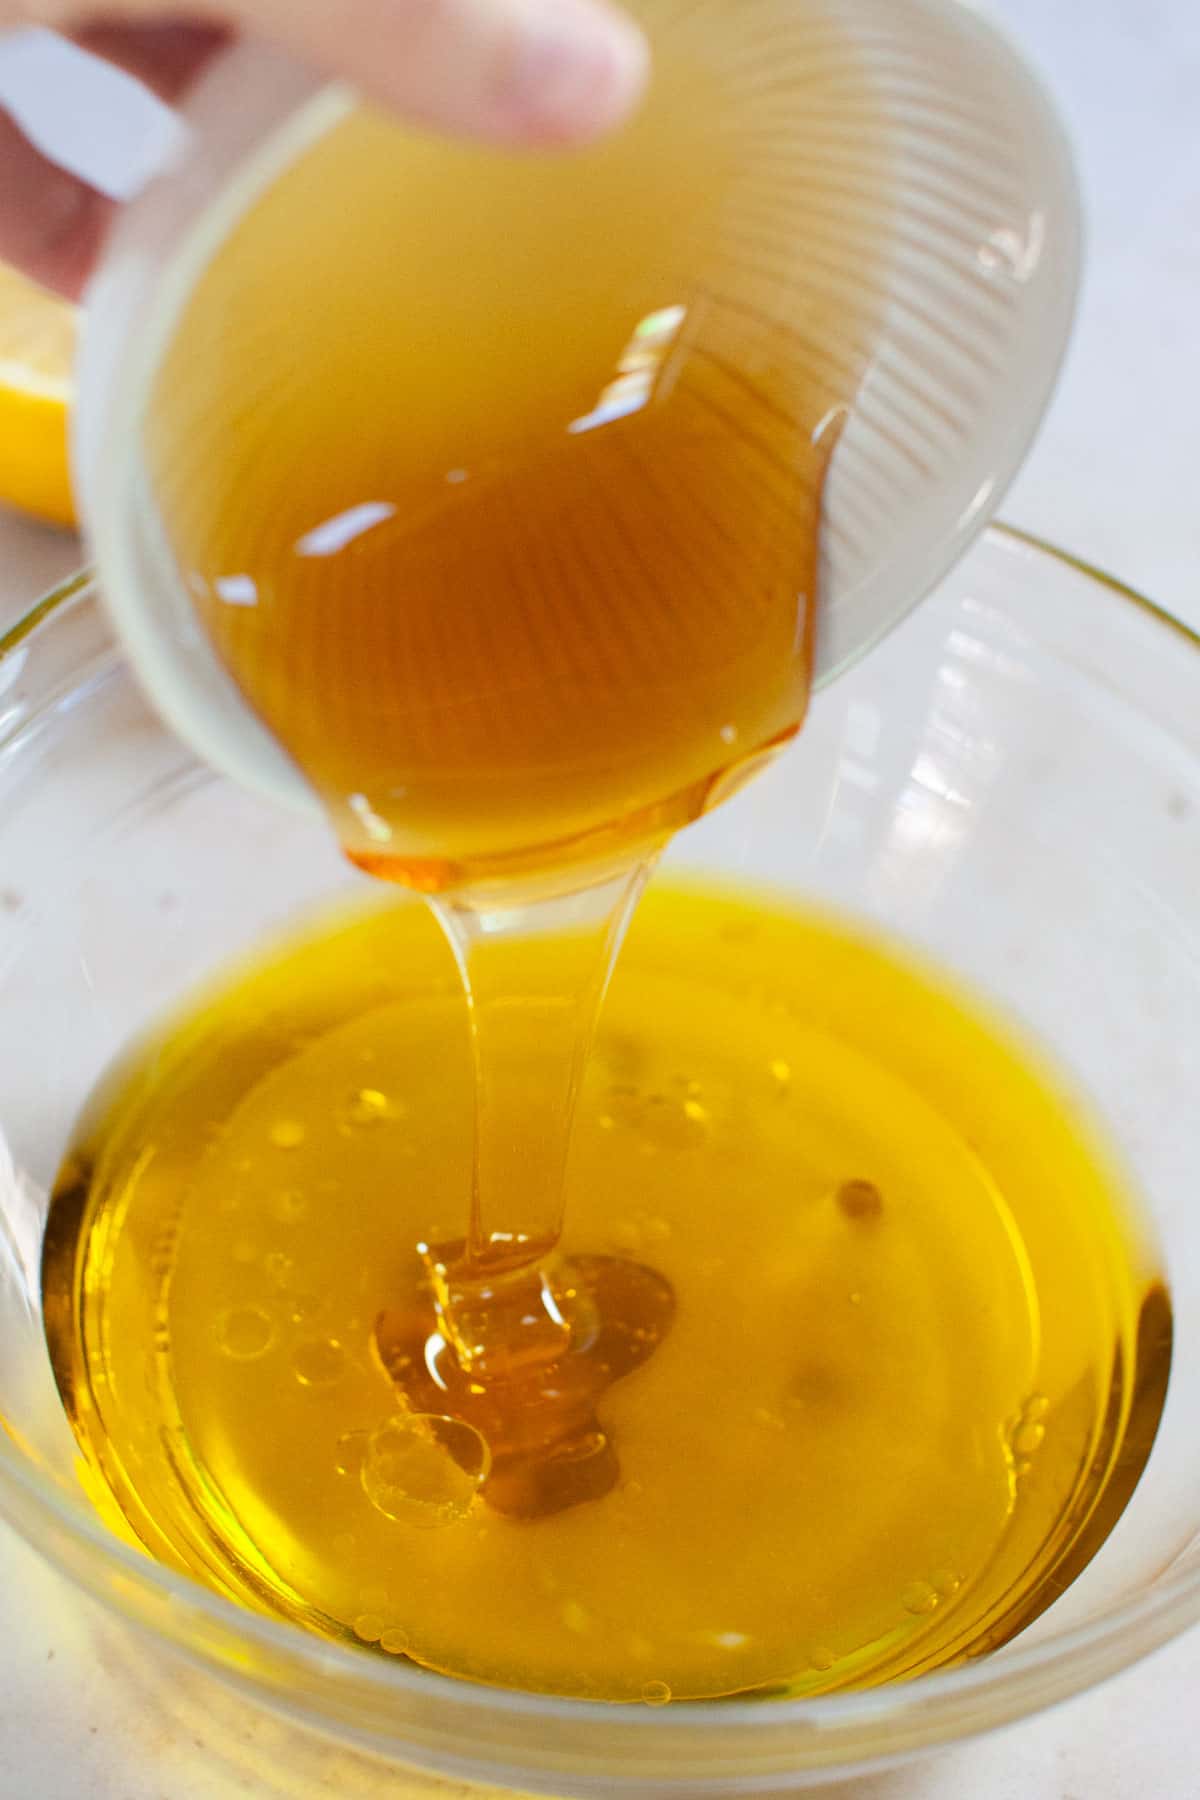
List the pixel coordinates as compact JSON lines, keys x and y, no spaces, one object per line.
{"x":916,"y":1357}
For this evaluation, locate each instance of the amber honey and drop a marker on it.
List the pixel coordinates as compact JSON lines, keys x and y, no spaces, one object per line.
{"x":496,"y":479}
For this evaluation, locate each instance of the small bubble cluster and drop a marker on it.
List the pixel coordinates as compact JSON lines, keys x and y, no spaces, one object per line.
{"x":678,"y":1120}
{"x":424,"y":1470}
{"x":162,"y":1254}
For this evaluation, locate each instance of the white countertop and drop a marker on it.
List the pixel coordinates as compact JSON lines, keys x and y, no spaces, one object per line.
{"x":1113,"y":478}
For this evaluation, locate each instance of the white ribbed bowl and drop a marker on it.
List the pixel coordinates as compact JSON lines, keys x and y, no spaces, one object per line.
{"x":966,"y":248}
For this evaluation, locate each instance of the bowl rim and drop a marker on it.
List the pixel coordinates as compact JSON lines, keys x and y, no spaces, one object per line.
{"x":849,"y":1731}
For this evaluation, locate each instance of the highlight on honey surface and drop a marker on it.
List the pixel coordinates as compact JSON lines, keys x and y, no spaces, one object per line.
{"x":905,"y":1340}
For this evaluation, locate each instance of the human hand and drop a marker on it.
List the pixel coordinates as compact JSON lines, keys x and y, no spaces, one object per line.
{"x":541,"y":73}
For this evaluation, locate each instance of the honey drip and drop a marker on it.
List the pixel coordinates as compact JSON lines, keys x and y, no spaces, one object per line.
{"x":495,"y":482}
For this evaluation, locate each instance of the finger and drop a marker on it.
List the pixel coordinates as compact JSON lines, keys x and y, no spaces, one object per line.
{"x":165,"y":56}
{"x":51,"y":223}
{"x":508,"y":71}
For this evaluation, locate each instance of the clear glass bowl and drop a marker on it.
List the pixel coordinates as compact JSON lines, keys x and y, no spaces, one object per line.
{"x":1011,"y":782}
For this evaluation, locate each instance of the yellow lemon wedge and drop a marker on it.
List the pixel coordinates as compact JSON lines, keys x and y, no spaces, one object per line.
{"x":37,"y":349}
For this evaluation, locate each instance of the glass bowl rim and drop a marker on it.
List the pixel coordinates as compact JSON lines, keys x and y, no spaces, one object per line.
{"x":860,"y":1726}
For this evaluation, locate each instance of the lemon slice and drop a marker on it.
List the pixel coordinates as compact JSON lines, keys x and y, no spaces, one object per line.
{"x":37,"y":349}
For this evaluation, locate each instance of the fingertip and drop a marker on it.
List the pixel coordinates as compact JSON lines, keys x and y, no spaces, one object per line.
{"x":578,"y":71}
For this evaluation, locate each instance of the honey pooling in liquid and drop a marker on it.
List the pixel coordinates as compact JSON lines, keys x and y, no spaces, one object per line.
{"x":917,"y":1352}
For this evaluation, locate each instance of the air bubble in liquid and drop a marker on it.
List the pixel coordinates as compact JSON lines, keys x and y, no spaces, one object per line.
{"x":424,"y":1470}
{"x":919,"y":1597}
{"x":656,"y":1693}
{"x":1028,"y":1432}
{"x":367,"y":1106}
{"x":318,"y":1363}
{"x":245,"y":1332}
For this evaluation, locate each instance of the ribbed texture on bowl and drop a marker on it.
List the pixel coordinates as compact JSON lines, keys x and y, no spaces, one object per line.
{"x":901,"y":214}
{"x":979,"y":293}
